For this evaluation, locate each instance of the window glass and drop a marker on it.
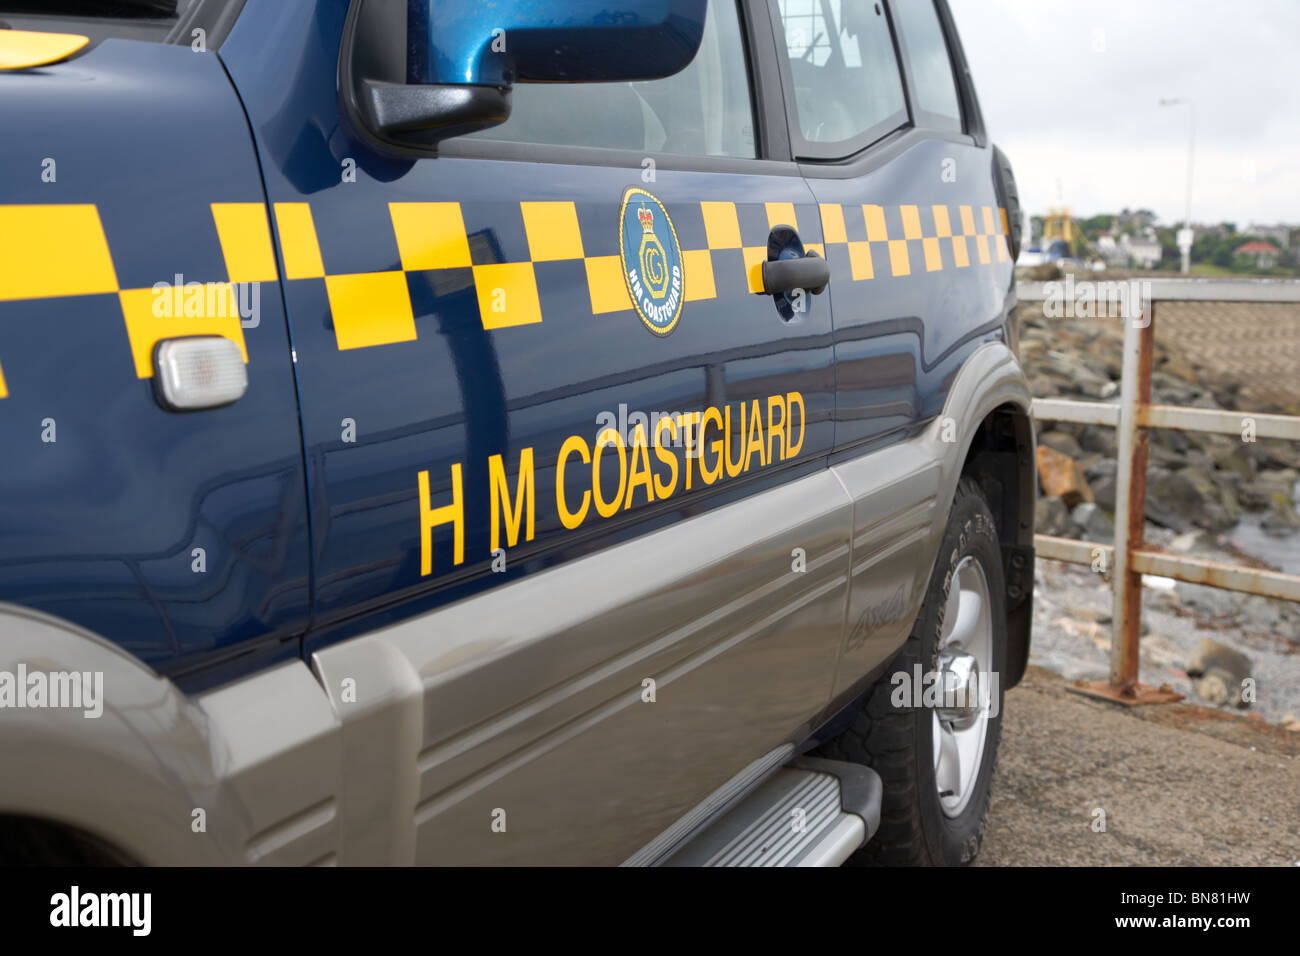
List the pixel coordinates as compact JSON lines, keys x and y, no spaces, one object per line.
{"x":927,"y":53}
{"x":842,"y":65}
{"x":705,"y":110}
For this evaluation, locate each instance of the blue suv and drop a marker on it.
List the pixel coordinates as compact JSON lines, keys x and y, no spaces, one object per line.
{"x":530,"y":433}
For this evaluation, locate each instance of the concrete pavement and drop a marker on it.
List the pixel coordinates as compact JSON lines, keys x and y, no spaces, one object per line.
{"x":1177,"y":784}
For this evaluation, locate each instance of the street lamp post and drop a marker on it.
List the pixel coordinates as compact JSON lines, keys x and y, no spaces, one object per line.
{"x":1185,"y":235}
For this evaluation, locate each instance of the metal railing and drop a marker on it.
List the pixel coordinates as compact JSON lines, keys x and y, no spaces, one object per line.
{"x":1129,"y":558}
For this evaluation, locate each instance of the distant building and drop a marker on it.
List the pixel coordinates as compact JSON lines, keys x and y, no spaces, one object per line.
{"x":1217,"y":230}
{"x":1262,"y":254}
{"x":1143,"y":253}
{"x":1279,"y":234}
{"x":1139,"y":219}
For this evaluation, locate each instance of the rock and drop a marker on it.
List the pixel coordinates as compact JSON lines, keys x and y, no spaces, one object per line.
{"x":1292,"y":723}
{"x":1098,"y":438}
{"x":1175,"y":441}
{"x":1258,"y":493}
{"x":1074,"y":612}
{"x":1103,"y":492}
{"x":1062,"y":441}
{"x":1101,"y":468}
{"x":1217,"y":687}
{"x":1061,"y":477}
{"x":1275,"y":453}
{"x":1208,"y":655}
{"x":1282,"y":519}
{"x":1051,"y":517}
{"x":1217,"y":509}
{"x":1212,"y":603}
{"x":1235,"y":458}
{"x":1092,"y":522}
{"x":1190,"y":541}
{"x":1171,"y":497}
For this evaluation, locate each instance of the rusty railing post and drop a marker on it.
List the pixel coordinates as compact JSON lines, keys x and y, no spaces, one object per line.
{"x":1130,"y":497}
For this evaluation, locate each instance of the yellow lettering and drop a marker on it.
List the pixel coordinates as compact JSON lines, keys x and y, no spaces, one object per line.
{"x":775,"y":429}
{"x":690,"y":422}
{"x":524,"y":500}
{"x":567,"y":518}
{"x":430,"y":518}
{"x":669,"y":458}
{"x":609,"y":436}
{"x":640,"y":452}
{"x":734,"y":467}
{"x":792,"y":399}
{"x":755,"y":439}
{"x":710,"y":475}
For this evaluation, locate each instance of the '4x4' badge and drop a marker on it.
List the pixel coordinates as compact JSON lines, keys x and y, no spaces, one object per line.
{"x":652,"y":260}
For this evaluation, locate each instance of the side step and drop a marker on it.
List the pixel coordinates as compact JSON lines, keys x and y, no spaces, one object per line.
{"x":810,"y":812}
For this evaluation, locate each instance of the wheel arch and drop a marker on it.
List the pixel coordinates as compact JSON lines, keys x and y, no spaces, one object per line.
{"x":1000,"y":458}
{"x":988,"y":412}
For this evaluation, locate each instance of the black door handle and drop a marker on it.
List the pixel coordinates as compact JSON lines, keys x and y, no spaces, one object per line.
{"x":809,"y":271}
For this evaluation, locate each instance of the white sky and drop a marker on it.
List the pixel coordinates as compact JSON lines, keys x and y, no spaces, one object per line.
{"x":1070,"y":91}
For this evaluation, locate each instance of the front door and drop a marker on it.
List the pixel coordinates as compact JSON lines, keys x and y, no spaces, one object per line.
{"x":545,"y":343}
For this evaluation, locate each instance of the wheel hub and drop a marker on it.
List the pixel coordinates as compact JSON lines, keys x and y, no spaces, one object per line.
{"x":965,"y":661}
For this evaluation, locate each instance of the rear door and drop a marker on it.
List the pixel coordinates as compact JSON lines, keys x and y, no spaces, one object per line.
{"x":892,"y":147}
{"x":500,"y":352}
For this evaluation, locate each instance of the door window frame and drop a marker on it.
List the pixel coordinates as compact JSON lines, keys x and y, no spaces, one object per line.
{"x":771,"y":133}
{"x":924,"y":119}
{"x":888,"y":138}
{"x":807,"y":150}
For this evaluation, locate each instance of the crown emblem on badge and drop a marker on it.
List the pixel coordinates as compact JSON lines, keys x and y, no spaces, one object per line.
{"x":647,"y":219}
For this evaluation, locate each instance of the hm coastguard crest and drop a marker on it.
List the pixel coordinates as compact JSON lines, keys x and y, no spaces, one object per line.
{"x":652,"y":260}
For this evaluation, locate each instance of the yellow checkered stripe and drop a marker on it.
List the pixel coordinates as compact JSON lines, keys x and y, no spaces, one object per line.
{"x":966,"y":240}
{"x":374,"y":308}
{"x":52,"y":250}
{"x":59,"y":250}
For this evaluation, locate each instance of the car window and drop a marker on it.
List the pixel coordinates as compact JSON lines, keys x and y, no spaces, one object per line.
{"x":845,"y":75}
{"x":705,"y":110}
{"x":927,"y":53}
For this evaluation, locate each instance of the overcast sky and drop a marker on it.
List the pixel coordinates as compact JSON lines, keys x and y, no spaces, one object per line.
{"x":1070,"y":91}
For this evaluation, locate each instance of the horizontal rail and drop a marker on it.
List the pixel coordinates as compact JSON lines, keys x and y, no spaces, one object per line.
{"x":1080,"y":413}
{"x":1185,"y":290}
{"x":1070,"y":550}
{"x":1212,"y":420}
{"x":1217,"y":421}
{"x":1230,"y":577}
{"x":1214,"y":574}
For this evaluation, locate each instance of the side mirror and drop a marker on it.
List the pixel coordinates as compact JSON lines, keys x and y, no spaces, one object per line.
{"x":461,"y":57}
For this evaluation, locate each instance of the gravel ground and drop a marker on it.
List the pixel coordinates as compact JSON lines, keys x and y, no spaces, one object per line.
{"x":1071,"y":635}
{"x":1177,"y":784}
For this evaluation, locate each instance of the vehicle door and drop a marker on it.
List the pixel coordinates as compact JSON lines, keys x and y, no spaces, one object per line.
{"x":892,"y":147}
{"x":565,"y":621}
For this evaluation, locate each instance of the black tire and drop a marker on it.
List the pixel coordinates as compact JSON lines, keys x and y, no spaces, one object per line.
{"x":898,"y":742}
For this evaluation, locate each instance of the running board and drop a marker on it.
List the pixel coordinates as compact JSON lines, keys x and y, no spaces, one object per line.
{"x":810,"y":812}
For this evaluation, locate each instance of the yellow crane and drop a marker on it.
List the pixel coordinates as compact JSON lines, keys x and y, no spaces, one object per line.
{"x":1059,"y":224}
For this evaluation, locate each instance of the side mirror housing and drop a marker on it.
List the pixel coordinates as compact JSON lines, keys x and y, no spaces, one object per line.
{"x":461,"y":57}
